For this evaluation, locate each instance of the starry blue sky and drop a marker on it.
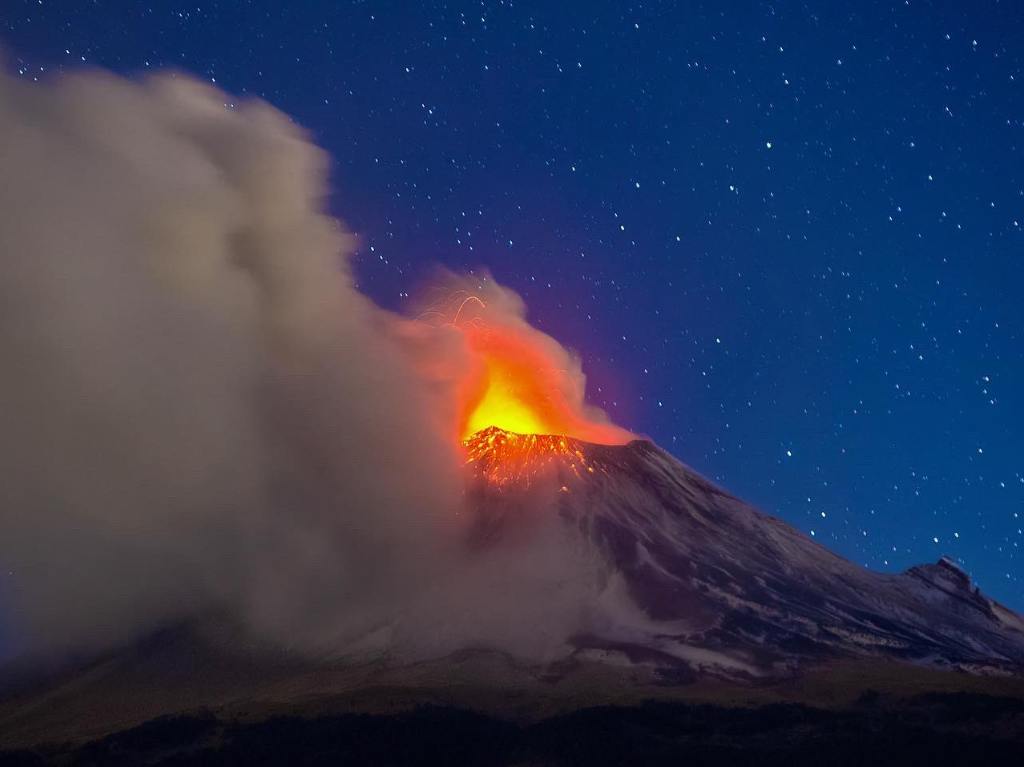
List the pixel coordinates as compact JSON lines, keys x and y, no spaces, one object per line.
{"x":787,"y":238}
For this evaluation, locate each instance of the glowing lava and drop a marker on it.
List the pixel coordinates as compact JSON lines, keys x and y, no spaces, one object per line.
{"x":527,"y":383}
{"x":503,"y":458}
{"x":503,"y":406}
{"x":520,"y":393}
{"x":527,"y":415}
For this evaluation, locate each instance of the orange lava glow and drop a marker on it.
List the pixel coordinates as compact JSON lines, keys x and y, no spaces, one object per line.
{"x":520,"y":389}
{"x":504,"y":406}
{"x":520,"y":405}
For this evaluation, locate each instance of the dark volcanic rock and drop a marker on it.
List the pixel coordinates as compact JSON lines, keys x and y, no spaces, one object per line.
{"x":947,"y":730}
{"x":738,"y":592}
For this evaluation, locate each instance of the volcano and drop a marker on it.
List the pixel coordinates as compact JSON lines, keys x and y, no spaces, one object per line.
{"x":730,"y":590}
{"x":728,"y":602}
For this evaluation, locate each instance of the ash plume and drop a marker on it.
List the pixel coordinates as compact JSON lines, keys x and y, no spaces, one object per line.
{"x":201,"y":412}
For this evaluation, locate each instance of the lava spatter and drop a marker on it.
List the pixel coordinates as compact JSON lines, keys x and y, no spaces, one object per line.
{"x":506,"y":458}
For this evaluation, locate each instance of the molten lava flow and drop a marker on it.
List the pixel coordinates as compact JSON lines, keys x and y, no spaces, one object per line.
{"x":503,"y":458}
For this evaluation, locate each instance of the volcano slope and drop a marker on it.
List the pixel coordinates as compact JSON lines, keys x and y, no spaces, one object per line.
{"x":754,"y":642}
{"x":734,"y":591}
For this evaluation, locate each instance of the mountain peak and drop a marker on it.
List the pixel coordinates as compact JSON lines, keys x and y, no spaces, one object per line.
{"x":504,"y":458}
{"x":510,"y":459}
{"x":946,"y":573}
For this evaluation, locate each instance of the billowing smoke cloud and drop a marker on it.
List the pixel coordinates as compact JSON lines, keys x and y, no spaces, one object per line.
{"x":201,"y":413}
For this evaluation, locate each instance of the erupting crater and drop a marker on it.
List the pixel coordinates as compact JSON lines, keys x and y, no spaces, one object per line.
{"x":505,"y":458}
{"x":520,"y":395}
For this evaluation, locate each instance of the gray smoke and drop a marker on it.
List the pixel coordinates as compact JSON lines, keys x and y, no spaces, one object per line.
{"x":198,"y":411}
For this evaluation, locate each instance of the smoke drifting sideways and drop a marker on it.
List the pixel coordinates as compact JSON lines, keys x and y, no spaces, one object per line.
{"x":201,"y":414}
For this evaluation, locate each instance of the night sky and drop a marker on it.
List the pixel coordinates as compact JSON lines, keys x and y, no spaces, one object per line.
{"x":787,"y":239}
